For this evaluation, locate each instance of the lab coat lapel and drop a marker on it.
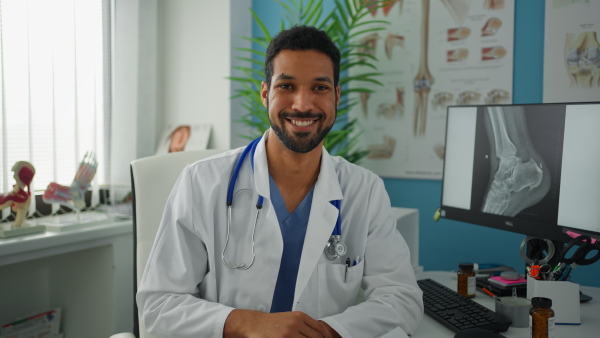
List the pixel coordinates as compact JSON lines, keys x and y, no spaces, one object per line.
{"x":321,"y":222}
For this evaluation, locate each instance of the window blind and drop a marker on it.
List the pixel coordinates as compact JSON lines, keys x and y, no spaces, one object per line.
{"x":52,"y":88}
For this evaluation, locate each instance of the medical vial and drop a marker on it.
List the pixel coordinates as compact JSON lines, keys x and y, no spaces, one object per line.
{"x":466,"y":280}
{"x":541,"y":318}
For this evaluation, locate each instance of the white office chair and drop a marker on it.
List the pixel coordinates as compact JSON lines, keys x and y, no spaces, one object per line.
{"x":152,"y":179}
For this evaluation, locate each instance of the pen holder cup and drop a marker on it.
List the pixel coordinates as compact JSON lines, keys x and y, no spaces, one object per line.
{"x":564,"y":295}
{"x":517,"y":310}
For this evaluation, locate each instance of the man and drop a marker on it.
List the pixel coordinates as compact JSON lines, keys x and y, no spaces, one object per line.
{"x":208,"y":278}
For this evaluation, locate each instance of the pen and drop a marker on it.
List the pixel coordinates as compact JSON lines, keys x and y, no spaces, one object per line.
{"x":355,"y":261}
{"x":347,"y":266}
{"x":489,"y":293}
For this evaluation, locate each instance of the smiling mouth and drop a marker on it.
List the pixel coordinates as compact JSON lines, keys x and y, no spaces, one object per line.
{"x":302,"y":123}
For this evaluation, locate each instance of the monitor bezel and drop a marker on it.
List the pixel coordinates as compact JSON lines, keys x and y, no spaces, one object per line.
{"x":554,"y":232}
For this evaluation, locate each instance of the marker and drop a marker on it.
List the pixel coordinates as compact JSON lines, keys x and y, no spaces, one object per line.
{"x":489,"y":293}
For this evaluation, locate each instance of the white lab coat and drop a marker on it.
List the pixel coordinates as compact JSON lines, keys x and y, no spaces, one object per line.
{"x":186,"y":291}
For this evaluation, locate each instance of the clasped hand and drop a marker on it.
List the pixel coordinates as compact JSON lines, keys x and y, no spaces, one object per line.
{"x":249,"y":323}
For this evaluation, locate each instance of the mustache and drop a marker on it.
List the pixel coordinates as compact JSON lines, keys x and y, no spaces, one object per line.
{"x":302,"y":115}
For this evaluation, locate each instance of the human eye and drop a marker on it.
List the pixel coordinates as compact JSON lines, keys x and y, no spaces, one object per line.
{"x":285,"y":86}
{"x":321,"y":88}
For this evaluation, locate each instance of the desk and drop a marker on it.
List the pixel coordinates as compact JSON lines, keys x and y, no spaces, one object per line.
{"x":590,"y":313}
{"x":88,"y":272}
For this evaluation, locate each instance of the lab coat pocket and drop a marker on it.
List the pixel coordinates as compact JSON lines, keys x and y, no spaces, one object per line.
{"x":336,"y":290}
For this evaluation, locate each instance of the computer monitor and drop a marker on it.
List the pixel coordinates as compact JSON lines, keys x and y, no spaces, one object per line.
{"x":532,"y":169}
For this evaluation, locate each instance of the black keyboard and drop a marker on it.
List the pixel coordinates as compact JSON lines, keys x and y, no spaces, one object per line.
{"x":458,"y":312}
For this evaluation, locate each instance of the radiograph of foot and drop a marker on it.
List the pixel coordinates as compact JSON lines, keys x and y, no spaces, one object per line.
{"x":582,"y":58}
{"x":519,"y":176}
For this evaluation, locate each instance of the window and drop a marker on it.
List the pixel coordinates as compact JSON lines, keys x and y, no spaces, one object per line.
{"x":53,"y":88}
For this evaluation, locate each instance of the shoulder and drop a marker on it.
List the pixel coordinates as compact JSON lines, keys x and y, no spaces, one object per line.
{"x":350,"y":171}
{"x":220,"y":163}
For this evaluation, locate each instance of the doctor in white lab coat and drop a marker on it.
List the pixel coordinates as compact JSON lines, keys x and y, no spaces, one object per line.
{"x":187,"y":291}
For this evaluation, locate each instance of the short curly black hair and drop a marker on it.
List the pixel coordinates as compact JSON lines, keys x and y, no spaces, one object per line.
{"x":302,"y":38}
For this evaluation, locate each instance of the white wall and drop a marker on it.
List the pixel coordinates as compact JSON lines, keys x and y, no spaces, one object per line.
{"x":170,"y":62}
{"x":196,"y":40}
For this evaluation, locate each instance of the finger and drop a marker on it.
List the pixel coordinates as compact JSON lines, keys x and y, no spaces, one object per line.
{"x":315,"y":328}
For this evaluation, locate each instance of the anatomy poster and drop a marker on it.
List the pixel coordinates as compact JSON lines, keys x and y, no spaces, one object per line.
{"x":572,"y":51}
{"x":434,"y":53}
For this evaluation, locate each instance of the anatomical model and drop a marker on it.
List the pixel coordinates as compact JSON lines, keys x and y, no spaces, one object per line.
{"x":582,"y":58}
{"x":423,"y":80}
{"x":497,"y":96}
{"x":491,"y":27}
{"x":467,"y":97}
{"x":459,"y":9}
{"x":19,"y":198}
{"x":73,"y":196}
{"x":441,"y":100}
{"x":384,"y":150}
{"x":459,"y":54}
{"x":458,"y":33}
{"x":519,"y":175}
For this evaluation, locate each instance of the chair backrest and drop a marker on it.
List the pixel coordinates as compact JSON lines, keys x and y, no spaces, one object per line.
{"x":152,"y":179}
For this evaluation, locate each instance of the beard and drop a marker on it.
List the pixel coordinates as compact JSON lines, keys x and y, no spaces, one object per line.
{"x":300,"y":142}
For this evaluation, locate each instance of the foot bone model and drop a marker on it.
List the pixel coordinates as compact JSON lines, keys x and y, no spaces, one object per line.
{"x":423,"y":80}
{"x":520,"y":178}
{"x":582,"y":57}
{"x":73,"y":195}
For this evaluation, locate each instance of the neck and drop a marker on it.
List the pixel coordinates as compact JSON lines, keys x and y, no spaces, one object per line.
{"x":286,"y":166}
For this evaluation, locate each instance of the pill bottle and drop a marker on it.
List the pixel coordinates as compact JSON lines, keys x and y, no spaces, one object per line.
{"x":466,"y":280}
{"x":541,"y":318}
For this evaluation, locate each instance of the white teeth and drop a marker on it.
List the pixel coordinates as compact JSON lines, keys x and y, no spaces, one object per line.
{"x":302,"y":123}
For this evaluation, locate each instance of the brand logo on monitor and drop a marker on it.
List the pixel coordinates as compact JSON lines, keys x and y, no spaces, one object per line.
{"x":509,"y":223}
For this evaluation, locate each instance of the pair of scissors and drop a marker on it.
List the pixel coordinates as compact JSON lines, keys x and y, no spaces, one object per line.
{"x":576,"y":253}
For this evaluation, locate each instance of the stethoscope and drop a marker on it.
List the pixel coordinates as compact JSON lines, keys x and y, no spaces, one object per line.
{"x":334,"y":247}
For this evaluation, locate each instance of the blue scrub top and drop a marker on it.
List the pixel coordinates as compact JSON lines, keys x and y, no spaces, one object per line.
{"x":293,"y":229}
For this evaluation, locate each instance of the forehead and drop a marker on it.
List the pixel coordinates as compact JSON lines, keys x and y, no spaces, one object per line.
{"x":303,"y":62}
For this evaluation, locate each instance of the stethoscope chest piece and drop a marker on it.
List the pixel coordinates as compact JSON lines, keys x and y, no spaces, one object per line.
{"x":335,"y":248}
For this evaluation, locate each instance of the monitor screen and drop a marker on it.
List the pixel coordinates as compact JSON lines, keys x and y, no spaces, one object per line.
{"x":532,"y":169}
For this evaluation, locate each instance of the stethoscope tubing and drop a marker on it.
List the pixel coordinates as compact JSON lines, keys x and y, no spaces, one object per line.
{"x":250,"y":149}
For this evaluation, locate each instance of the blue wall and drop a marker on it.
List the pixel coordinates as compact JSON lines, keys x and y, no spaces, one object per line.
{"x":445,"y":243}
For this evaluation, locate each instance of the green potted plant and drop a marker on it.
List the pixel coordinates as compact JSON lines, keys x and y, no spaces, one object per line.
{"x":345,"y":24}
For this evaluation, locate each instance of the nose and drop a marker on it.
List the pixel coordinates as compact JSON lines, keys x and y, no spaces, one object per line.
{"x":303,"y":100}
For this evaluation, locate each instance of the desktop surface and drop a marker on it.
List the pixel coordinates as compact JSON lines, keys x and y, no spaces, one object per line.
{"x":590,"y":313}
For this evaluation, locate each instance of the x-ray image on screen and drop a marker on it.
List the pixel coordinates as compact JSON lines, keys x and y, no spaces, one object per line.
{"x":517,"y":161}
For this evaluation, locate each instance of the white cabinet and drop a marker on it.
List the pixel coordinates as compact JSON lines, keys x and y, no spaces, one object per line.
{"x":87,"y":272}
